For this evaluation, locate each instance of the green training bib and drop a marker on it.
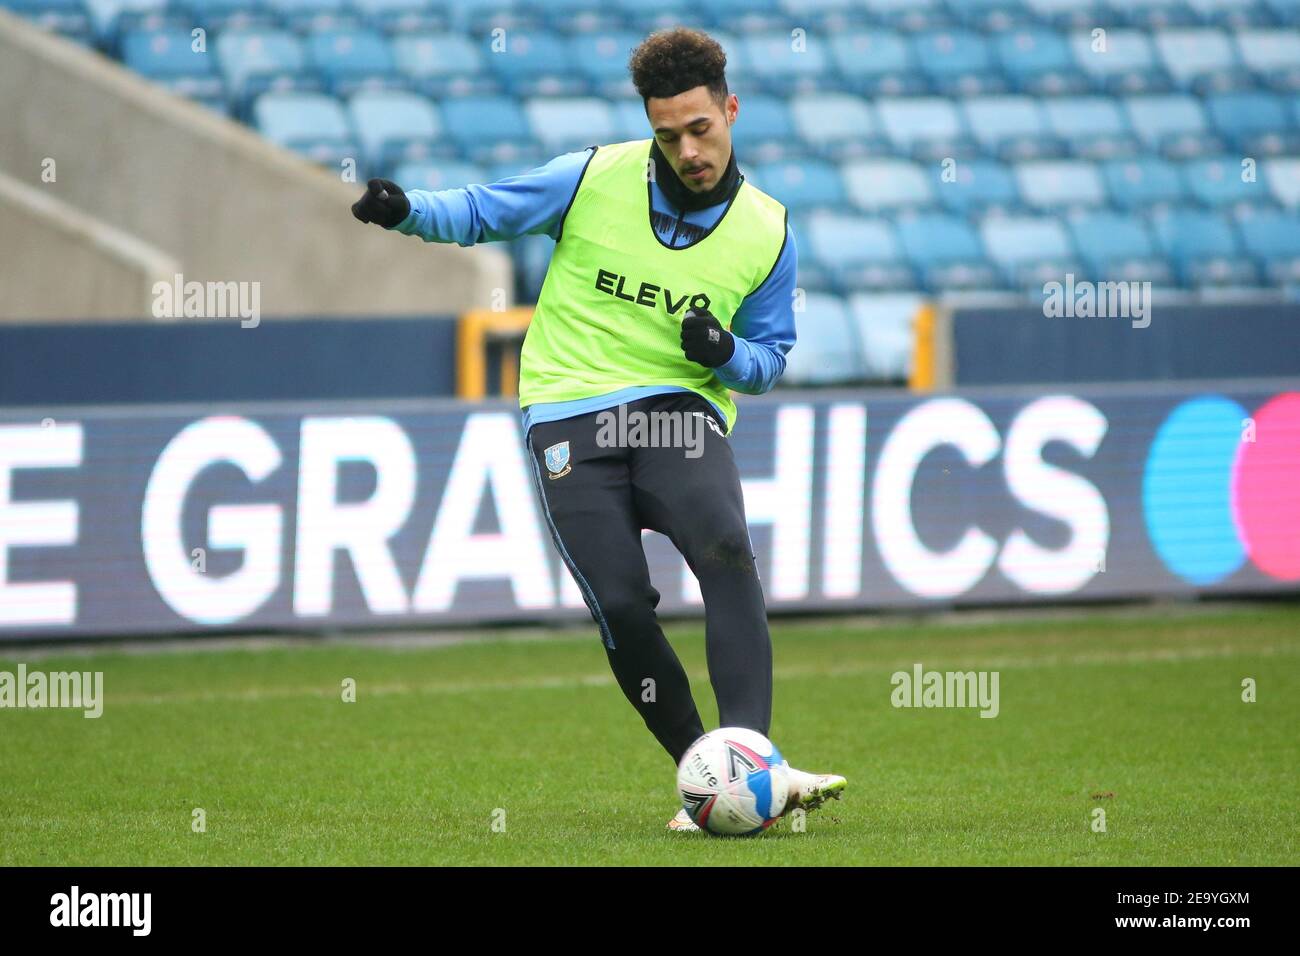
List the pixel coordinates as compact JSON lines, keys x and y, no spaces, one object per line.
{"x":610,"y":311}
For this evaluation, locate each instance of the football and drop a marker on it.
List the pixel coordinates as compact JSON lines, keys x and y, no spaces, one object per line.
{"x":733,"y":782}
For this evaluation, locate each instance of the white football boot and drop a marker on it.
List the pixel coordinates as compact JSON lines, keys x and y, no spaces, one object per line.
{"x":682,"y":822}
{"x":808,"y":791}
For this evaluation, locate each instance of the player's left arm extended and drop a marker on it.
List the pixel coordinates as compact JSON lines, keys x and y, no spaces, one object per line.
{"x":763,"y":328}
{"x":531,"y":203}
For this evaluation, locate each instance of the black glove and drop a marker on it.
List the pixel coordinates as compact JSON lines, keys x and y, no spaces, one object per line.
{"x":383,"y":204}
{"x":704,"y":340}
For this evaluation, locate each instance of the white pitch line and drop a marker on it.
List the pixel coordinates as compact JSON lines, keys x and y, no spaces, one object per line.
{"x":567,"y":682}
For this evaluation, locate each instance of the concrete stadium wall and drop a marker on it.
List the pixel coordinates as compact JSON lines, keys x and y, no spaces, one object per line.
{"x":225,"y":204}
{"x":56,"y":262}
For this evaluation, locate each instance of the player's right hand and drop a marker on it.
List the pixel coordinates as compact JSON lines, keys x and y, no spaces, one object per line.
{"x":383,"y":204}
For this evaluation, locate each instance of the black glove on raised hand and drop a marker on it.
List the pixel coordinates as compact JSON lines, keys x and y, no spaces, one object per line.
{"x":705,"y":341}
{"x":383,"y":204}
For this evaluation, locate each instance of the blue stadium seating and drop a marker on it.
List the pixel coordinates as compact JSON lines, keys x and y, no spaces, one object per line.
{"x":443,"y":66}
{"x":1119,"y":61}
{"x":883,"y":322}
{"x":1219,"y":181}
{"x":1011,"y":127}
{"x":1115,"y":246}
{"x":168,"y":57}
{"x":396,"y":127}
{"x":802,"y":185}
{"x":351,"y":60}
{"x":946,"y":252}
{"x":1204,"y":248}
{"x":859,"y":253}
{"x":928,"y":146}
{"x":878,"y":184}
{"x":830,"y":350}
{"x":1273,"y":238}
{"x":1055,"y":184}
{"x":876,"y":62}
{"x":308,"y":123}
{"x":1030,"y":251}
{"x":1142,"y":182}
{"x":978,"y":185}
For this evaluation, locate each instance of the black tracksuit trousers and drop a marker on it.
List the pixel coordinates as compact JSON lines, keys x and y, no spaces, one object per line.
{"x":596,"y":503}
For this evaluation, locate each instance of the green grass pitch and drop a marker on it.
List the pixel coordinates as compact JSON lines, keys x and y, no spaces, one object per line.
{"x":521,"y":750}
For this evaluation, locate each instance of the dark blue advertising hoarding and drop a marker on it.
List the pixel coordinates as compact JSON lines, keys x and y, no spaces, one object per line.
{"x":168,"y":519}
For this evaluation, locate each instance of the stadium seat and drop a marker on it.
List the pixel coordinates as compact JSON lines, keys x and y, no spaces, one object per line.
{"x":910,"y":15}
{"x":1121,"y":61}
{"x":167,"y":57}
{"x":645,"y":16}
{"x":561,"y":124}
{"x":858,"y":252}
{"x":885,"y":326}
{"x":993,"y":16}
{"x":1255,"y":123}
{"x":1203,"y":247}
{"x":946,"y":252}
{"x":1035,"y":60}
{"x":764,"y":130}
{"x":1286,"y":12}
{"x":801,"y":185}
{"x":403,"y":17}
{"x":1059,"y":184}
{"x":1229,"y":13}
{"x":535,"y":63}
{"x":786,"y":64}
{"x":1091,"y":126}
{"x":836,"y":126}
{"x":1011,"y":127}
{"x":1218,"y":181}
{"x":1142,"y":182}
{"x":829,"y":352}
{"x":396,"y":127}
{"x":254,"y":61}
{"x":876,"y":63}
{"x":1273,"y":238}
{"x":1152,"y":14}
{"x":630,"y":120}
{"x":304,"y":15}
{"x":1201,"y":60}
{"x":1174,"y":124}
{"x":69,"y":18}
{"x":487,"y":128}
{"x":925,"y":127}
{"x":957,"y":61}
{"x":1118,"y":247}
{"x":311,"y":124}
{"x":978,"y":185}
{"x":575,"y":17}
{"x":352,"y":60}
{"x":443,"y":66}
{"x":874,"y":185}
{"x":1273,"y":56}
{"x":214,"y":16}
{"x":1065,"y":13}
{"x":1283,"y":178}
{"x":1030,"y":251}
{"x":602,"y":57}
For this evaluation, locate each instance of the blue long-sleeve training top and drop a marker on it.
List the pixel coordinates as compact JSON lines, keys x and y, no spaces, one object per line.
{"x":534,"y":203}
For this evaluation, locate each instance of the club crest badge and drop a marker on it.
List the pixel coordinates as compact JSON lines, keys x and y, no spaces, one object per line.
{"x":557,"y":460}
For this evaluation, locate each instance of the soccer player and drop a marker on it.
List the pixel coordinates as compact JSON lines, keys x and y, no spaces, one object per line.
{"x":671,"y":285}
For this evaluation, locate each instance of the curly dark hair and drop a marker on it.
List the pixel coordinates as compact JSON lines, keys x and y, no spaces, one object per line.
{"x":673,"y":61}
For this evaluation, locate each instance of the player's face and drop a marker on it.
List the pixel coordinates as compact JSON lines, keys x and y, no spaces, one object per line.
{"x":694,"y":133}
